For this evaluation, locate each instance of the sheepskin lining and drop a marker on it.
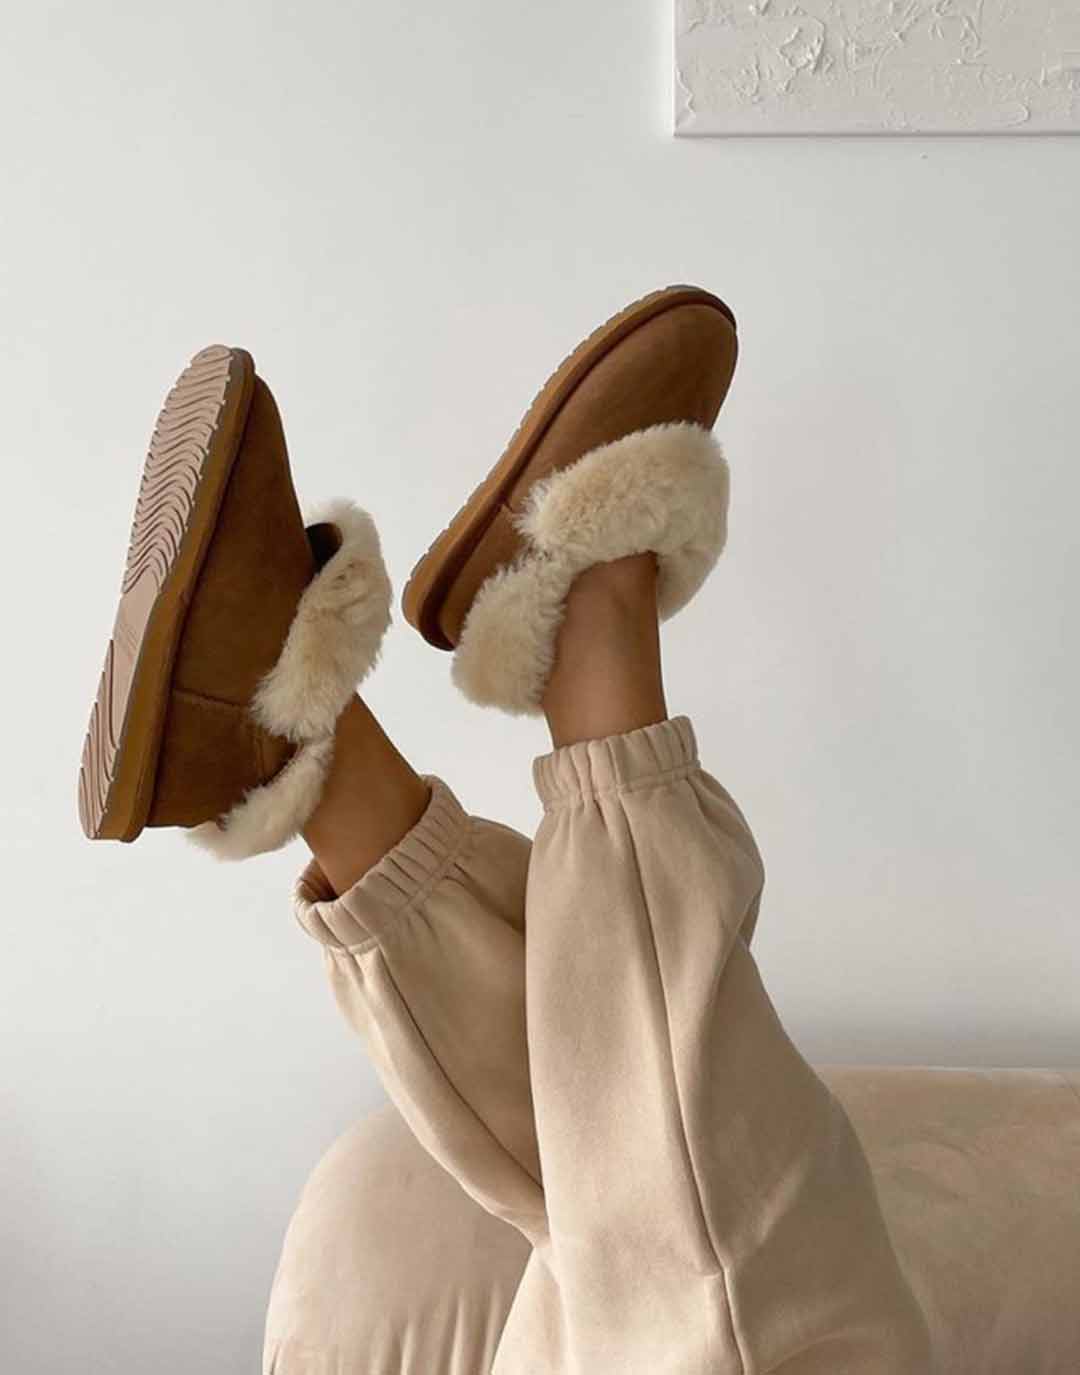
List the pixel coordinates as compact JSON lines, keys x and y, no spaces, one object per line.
{"x":332,"y":645}
{"x":662,"y":490}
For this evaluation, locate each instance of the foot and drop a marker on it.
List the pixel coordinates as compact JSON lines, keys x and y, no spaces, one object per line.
{"x":614,"y":459}
{"x":666,"y":360}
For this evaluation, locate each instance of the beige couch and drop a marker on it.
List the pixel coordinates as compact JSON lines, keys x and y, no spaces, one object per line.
{"x":390,"y":1269}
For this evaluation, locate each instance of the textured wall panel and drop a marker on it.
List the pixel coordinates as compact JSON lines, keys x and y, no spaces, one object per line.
{"x":877,"y":66}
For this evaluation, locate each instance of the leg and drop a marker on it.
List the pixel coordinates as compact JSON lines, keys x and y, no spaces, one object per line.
{"x":425,"y":953}
{"x":372,"y":798}
{"x":709,"y":1205}
{"x":387,"y":1267}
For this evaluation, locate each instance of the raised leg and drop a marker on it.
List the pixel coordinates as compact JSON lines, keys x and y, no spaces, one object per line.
{"x":420,"y":908}
{"x":709,"y":1206}
{"x":705,"y":1204}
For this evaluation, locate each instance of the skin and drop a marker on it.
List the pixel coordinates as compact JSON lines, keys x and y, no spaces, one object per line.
{"x":606,"y":680}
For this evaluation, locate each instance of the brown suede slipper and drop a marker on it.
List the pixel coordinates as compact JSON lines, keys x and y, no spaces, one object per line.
{"x":238,"y":639}
{"x":192,"y":450}
{"x":666,"y":359}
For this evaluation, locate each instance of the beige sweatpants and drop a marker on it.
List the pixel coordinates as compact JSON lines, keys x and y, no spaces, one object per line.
{"x":578,"y":1032}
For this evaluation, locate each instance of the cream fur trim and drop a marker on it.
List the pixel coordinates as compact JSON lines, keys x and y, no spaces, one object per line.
{"x":335,"y":636}
{"x":663,"y":490}
{"x":270,"y":816}
{"x":332,"y":645}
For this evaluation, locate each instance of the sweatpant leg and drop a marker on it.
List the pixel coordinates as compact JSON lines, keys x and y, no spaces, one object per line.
{"x":710,"y":1208}
{"x":425,"y":956}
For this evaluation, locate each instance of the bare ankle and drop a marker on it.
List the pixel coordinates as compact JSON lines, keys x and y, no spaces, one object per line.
{"x":373,"y":797}
{"x":607,"y":679}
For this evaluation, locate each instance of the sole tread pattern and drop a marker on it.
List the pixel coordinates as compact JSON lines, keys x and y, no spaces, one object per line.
{"x":178,"y":450}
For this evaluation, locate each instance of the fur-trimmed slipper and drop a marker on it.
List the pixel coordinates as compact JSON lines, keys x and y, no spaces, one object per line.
{"x":240,"y":634}
{"x":613,"y":458}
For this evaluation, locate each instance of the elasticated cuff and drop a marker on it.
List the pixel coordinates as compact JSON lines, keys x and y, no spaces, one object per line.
{"x":398,"y":881}
{"x":618,"y":763}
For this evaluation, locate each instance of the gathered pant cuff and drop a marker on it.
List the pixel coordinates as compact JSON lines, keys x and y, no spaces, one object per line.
{"x":397,"y":883}
{"x":618,"y":763}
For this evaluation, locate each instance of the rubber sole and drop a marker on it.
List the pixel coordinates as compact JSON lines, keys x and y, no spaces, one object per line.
{"x":437,"y":569}
{"x":192,"y":450}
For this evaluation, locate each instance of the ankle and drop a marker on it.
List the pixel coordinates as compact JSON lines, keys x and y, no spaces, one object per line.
{"x":607,"y":679}
{"x":373,"y":797}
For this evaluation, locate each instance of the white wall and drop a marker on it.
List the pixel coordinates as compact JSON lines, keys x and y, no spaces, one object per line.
{"x":410,"y":213}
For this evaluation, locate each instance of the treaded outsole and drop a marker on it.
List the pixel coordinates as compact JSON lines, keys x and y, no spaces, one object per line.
{"x":179,"y":448}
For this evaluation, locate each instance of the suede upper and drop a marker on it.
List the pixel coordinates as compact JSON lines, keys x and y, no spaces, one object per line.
{"x":676,"y":366}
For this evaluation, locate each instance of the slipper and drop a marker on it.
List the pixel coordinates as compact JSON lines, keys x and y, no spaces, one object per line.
{"x":240,"y":635}
{"x":613,"y":457}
